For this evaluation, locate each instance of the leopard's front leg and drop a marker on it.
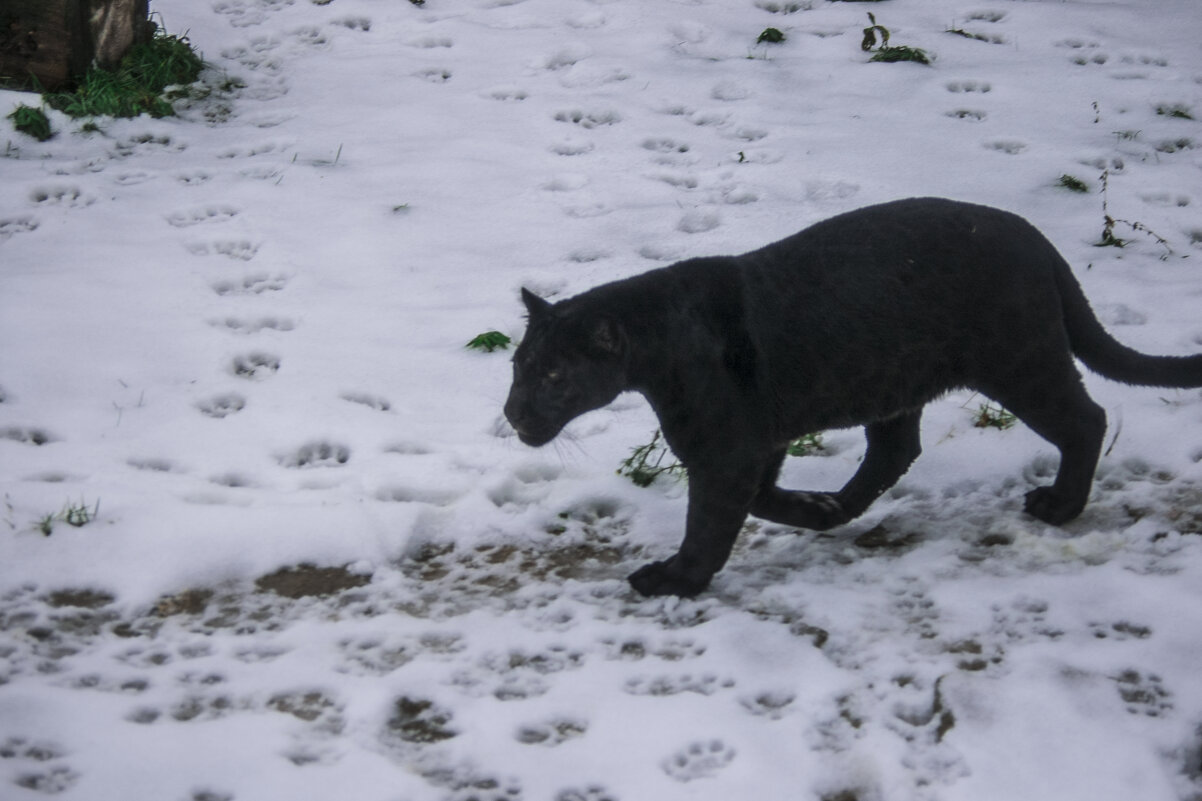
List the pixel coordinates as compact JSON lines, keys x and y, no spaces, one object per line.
{"x":718,"y":504}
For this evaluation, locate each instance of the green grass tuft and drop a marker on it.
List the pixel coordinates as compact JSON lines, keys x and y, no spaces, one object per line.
{"x":32,"y":122}
{"x":77,"y":515}
{"x":1072,"y":183}
{"x":771,"y":36}
{"x":808,"y":445}
{"x":886,"y":52}
{"x":136,"y":86}
{"x":646,"y":463}
{"x":989,"y":415}
{"x":1176,"y":111}
{"x":489,"y":341}
{"x":901,"y":53}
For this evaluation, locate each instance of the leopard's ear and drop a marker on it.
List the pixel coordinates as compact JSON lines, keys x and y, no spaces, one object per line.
{"x":608,"y":337}
{"x":535,"y":305}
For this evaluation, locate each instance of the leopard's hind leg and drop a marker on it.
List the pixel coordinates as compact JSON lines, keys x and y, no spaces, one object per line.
{"x":893,"y":445}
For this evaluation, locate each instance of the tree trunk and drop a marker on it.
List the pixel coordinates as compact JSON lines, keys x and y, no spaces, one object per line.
{"x":53,"y":42}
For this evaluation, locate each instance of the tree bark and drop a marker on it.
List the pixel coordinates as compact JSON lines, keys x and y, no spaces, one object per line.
{"x":52,"y":43}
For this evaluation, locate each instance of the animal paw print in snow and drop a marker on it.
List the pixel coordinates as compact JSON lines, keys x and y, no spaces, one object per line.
{"x":704,"y":684}
{"x":698,"y":760}
{"x":255,"y":365}
{"x":317,"y":454}
{"x":593,"y":792}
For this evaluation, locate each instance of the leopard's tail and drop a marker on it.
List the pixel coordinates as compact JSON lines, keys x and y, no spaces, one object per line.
{"x":1108,"y":357}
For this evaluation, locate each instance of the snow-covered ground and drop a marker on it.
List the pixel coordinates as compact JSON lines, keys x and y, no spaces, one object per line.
{"x":322,"y":566}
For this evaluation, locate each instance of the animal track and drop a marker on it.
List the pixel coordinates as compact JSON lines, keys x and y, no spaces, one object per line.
{"x":434,"y":497}
{"x":251,"y":150}
{"x":195,"y":178}
{"x":244,"y":326}
{"x":1175,"y":145}
{"x":220,"y":406}
{"x":208,"y":214}
{"x":434,"y":75}
{"x":636,"y":649}
{"x":418,"y":721}
{"x":255,"y":365}
{"x":17,"y":225}
{"x":771,"y":705}
{"x":56,"y":780}
{"x":588,"y":119}
{"x":1143,"y":694}
{"x":957,"y":87}
{"x":29,"y":436}
{"x":71,"y":196}
{"x":431,"y":42}
{"x":355,"y":23}
{"x":247,"y":13}
{"x":152,"y":465}
{"x":233,"y":481}
{"x":592,"y":792}
{"x":240,"y":249}
{"x":1120,"y":631}
{"x":566,"y":183}
{"x":310,"y":36}
{"x":20,"y":748}
{"x":678,"y":181}
{"x":562,"y":59}
{"x":971,"y":115}
{"x":376,"y":402}
{"x":572,"y":148}
{"x":665,"y":145}
{"x":251,"y":285}
{"x":698,"y":760}
{"x":317,"y":454}
{"x":706,"y":684}
{"x":133,"y":178}
{"x":773,"y":7}
{"x":1009,"y":147}
{"x":127,"y":147}
{"x":551,"y":733}
{"x":698,"y":221}
{"x":506,"y":93}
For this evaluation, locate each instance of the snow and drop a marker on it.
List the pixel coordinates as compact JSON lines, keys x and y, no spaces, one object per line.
{"x":240,"y":332}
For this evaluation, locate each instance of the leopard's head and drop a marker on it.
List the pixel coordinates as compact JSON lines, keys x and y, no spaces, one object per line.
{"x":570,"y":362}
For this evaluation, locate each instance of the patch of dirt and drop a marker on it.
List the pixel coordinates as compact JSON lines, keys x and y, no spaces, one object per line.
{"x":307,"y":581}
{"x":418,"y":721}
{"x":86,"y":598}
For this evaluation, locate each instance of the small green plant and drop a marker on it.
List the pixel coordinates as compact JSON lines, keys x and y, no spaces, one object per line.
{"x":136,"y":85}
{"x":771,"y":36}
{"x":646,"y":462}
{"x":808,"y":445}
{"x":77,"y":515}
{"x":989,"y":415}
{"x":1109,"y":238}
{"x":886,"y":52}
{"x":1072,"y":183}
{"x":32,"y":122}
{"x":976,"y":37}
{"x":901,"y":53}
{"x":489,"y":341}
{"x":1175,"y":110}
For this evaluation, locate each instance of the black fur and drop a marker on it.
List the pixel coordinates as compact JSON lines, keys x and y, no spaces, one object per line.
{"x":858,"y":320}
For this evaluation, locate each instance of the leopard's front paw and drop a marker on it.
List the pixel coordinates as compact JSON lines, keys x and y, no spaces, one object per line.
{"x":664,"y":578}
{"x":1045,"y":504}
